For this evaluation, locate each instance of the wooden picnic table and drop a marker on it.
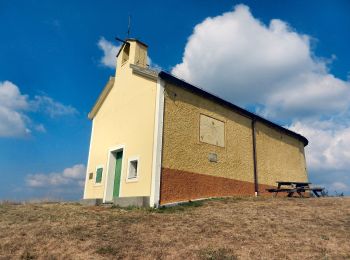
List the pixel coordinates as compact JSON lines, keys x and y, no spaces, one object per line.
{"x":295,"y":187}
{"x":293,"y":183}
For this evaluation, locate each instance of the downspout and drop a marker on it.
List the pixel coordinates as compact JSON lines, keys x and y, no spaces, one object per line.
{"x":256,"y":184}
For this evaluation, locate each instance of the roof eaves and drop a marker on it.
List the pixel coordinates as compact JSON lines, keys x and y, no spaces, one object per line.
{"x":138,"y":41}
{"x":179,"y":82}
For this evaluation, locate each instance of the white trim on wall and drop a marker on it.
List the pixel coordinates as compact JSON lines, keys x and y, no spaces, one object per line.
{"x":110,"y":169}
{"x":157,"y":145}
{"x":88,"y":161}
{"x":136,"y":179}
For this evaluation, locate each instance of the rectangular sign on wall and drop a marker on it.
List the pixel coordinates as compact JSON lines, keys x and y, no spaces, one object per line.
{"x":211,"y":131}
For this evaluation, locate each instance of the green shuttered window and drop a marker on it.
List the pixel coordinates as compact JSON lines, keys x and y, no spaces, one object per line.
{"x":99,"y":175}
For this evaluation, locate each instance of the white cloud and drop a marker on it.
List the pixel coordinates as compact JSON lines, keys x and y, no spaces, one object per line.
{"x":11,"y":97}
{"x":13,"y":123}
{"x":109,"y":52}
{"x":73,"y":176}
{"x":12,"y":107}
{"x":339,"y":186}
{"x":328,"y":154}
{"x":273,"y":68}
{"x":40,"y":128}
{"x":329,"y":144}
{"x":15,"y":108}
{"x":240,"y":58}
{"x":51,"y":107}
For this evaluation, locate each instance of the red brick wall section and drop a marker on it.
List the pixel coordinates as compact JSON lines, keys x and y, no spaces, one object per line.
{"x":179,"y":186}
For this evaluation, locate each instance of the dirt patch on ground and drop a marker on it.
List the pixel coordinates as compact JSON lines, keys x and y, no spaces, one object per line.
{"x":234,"y":228}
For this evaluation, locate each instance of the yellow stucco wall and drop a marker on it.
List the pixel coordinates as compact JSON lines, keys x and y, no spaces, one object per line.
{"x":278,"y":159}
{"x":126,"y":117}
{"x":182,"y":149}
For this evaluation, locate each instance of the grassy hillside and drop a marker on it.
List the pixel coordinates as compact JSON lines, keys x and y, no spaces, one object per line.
{"x":235,"y":228}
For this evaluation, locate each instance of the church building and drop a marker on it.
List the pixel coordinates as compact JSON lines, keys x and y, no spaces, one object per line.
{"x":157,"y":140}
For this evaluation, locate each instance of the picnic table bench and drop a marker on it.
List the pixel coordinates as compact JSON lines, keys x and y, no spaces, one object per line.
{"x":292,"y":187}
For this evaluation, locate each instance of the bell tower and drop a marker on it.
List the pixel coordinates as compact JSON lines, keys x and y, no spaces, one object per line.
{"x":132,"y":51}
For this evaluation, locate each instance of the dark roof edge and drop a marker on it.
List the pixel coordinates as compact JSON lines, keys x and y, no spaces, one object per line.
{"x":176,"y":81}
{"x":136,"y":40}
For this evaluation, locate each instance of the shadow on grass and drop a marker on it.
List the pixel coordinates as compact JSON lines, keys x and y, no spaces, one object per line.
{"x":216,"y":254}
{"x":183,"y":206}
{"x":164,"y":209}
{"x":178,"y":208}
{"x":108,"y":250}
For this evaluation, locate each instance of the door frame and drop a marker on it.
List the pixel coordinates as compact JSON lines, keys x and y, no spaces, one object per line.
{"x":110,"y":176}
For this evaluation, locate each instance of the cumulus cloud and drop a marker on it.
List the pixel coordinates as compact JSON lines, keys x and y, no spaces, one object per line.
{"x":238,"y":57}
{"x":65,"y":185}
{"x":109,"y":52}
{"x":329,"y":145}
{"x":15,"y":108}
{"x":272,"y":67}
{"x":73,"y":176}
{"x":12,"y":107}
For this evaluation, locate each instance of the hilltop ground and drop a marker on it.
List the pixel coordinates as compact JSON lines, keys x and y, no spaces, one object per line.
{"x":234,"y":228}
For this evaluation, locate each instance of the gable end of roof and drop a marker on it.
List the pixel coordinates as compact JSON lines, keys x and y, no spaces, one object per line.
{"x":101,"y":98}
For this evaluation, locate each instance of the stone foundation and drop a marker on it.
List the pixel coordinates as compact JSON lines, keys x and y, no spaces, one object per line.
{"x":131,"y":201}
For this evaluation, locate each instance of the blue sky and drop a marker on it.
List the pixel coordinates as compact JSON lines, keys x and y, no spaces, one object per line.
{"x":52,"y":70}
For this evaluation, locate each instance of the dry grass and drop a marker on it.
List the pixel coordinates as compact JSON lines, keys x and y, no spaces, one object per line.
{"x":246,"y":228}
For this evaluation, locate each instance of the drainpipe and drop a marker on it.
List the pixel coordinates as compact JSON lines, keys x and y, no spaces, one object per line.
{"x":256,"y":185}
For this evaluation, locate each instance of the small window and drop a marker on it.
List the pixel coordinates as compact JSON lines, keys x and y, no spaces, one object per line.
{"x":133,"y":169}
{"x":91,"y":176}
{"x":99,"y":175}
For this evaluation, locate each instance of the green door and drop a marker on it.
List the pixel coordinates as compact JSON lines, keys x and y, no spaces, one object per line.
{"x":118,"y":170}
